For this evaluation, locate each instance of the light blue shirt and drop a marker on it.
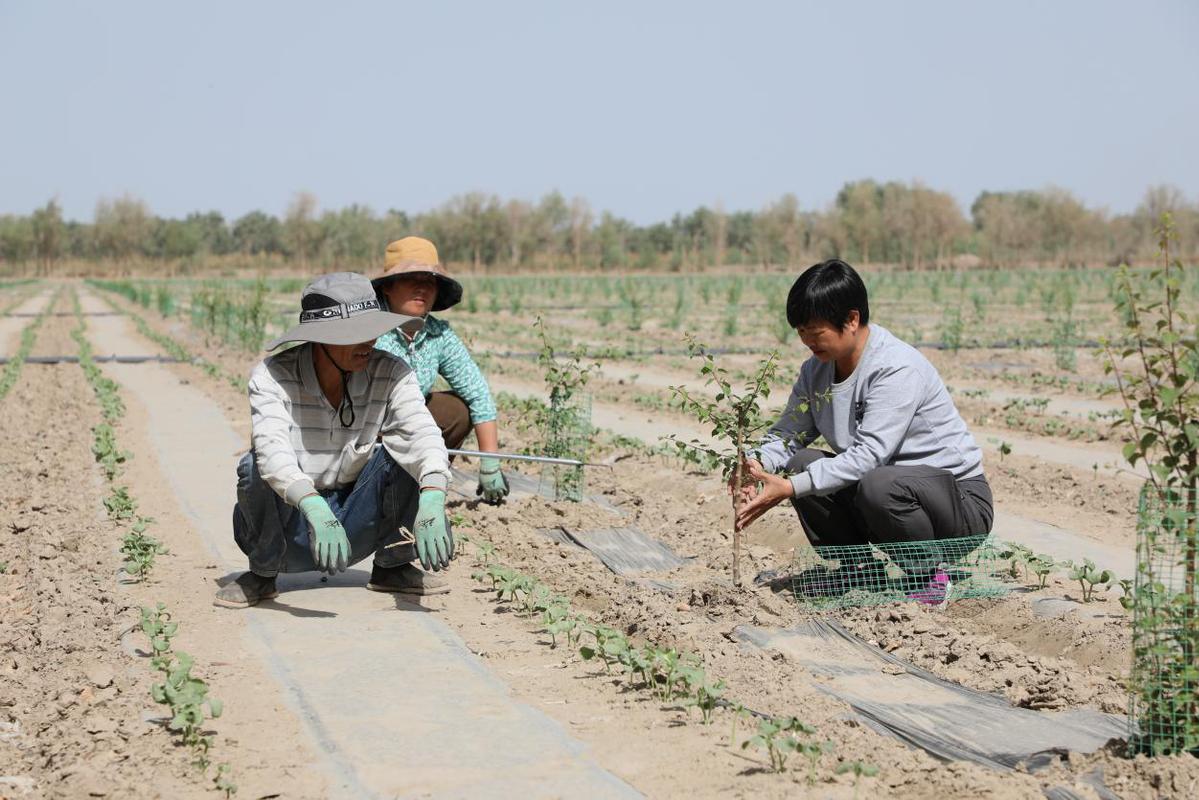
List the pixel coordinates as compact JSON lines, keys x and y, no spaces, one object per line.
{"x":437,"y":350}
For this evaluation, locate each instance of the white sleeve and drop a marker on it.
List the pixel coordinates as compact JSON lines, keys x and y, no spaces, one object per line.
{"x":271,"y":423}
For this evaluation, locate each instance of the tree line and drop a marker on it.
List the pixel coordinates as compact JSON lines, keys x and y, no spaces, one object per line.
{"x":907,"y":225}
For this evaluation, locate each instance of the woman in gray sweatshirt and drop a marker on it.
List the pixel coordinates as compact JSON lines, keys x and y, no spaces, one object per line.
{"x":903,"y":466}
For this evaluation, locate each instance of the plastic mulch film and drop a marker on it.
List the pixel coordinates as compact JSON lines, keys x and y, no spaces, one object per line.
{"x":1165,"y":628}
{"x":942,"y":570}
{"x":566,"y":433}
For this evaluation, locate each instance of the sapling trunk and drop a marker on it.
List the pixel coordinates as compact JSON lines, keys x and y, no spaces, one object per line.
{"x":738,"y":477}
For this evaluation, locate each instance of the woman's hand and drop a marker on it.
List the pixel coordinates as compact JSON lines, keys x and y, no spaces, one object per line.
{"x":749,"y":488}
{"x":756,"y":502}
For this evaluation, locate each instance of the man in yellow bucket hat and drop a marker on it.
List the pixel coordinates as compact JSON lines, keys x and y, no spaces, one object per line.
{"x":414,"y":282}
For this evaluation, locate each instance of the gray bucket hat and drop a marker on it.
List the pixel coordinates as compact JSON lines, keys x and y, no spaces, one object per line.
{"x":342,"y":308}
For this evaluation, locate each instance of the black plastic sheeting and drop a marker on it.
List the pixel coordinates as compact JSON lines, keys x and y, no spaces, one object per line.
{"x":948,"y":721}
{"x":626,"y":551}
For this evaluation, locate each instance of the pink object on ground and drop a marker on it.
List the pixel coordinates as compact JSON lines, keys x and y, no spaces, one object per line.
{"x":936,"y":594}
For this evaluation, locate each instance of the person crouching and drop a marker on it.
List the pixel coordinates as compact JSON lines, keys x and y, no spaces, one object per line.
{"x":316,"y":492}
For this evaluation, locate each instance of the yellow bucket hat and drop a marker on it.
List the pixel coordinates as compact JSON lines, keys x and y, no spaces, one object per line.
{"x":412,"y":254}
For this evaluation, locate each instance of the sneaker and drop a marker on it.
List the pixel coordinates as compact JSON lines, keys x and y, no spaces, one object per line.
{"x":406,"y":579}
{"x":936,"y":593}
{"x":246,"y":590}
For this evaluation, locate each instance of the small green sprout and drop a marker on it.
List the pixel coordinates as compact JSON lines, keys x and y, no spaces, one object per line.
{"x":1088,"y":577}
{"x":859,"y":770}
{"x":779,"y":737}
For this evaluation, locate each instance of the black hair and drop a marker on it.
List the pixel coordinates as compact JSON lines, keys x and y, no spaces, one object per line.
{"x":827,"y":291}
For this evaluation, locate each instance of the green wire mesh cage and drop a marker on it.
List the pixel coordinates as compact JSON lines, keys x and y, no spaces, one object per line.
{"x":933,"y":572}
{"x":566,"y":433}
{"x":1164,"y":685}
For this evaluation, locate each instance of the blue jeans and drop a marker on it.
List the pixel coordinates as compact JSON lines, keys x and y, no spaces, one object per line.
{"x":274,"y":535}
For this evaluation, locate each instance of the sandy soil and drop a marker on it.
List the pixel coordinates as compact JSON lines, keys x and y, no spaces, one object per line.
{"x":1044,"y":655}
{"x":76,"y":695}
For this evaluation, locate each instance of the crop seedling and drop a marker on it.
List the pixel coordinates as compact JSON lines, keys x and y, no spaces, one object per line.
{"x":484,"y":552}
{"x":707,"y":698}
{"x":185,"y":695}
{"x":140,"y":550}
{"x":1042,"y":566}
{"x":780,"y":738}
{"x":1127,"y":599}
{"x":120,"y":503}
{"x":736,"y":419}
{"x":1088,"y":577}
{"x":104,"y":447}
{"x":859,"y":770}
{"x":736,"y":711}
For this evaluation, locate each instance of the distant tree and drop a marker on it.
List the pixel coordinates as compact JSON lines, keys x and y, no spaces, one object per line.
{"x":48,"y":235}
{"x":551,"y":226}
{"x":351,"y":237}
{"x":612,"y":241}
{"x":518,"y":216}
{"x":16,"y":239}
{"x":860,"y":206}
{"x":175,"y":238}
{"x":778,"y":233}
{"x":214,"y":235}
{"x":301,"y":232}
{"x":123,"y":228}
{"x":580,"y":229}
{"x":257,"y":232}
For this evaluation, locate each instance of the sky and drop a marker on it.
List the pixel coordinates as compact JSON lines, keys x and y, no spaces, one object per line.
{"x":643,"y":108}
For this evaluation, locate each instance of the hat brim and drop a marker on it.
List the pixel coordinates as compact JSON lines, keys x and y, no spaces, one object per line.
{"x":449,"y":291}
{"x":355,"y":330}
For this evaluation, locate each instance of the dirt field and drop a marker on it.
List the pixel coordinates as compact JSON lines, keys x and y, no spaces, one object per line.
{"x":333,"y":691}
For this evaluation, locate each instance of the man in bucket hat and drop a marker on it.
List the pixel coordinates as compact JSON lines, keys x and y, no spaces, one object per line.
{"x":315,"y":492}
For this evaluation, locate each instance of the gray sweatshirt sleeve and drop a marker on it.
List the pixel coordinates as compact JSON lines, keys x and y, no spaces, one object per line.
{"x":891,"y":402}
{"x":792,"y":431}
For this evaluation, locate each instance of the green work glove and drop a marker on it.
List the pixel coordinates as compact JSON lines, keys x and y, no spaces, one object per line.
{"x":434,"y":542}
{"x":492,"y":483}
{"x":330,"y":547}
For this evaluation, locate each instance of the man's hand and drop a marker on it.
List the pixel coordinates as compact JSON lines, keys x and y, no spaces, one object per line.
{"x":492,"y":483}
{"x":775,"y":489}
{"x":434,"y":542}
{"x":326,"y":537}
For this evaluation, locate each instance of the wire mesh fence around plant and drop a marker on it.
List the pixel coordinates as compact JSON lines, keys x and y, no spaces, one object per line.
{"x":1164,"y":707}
{"x":566,"y":433}
{"x":943,"y":570}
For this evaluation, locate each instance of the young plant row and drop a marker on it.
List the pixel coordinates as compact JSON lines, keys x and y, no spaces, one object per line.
{"x":173,"y":347}
{"x":12,"y":370}
{"x":184,"y":694}
{"x":670,"y":676}
{"x":138,"y":548}
{"x":1023,"y":562}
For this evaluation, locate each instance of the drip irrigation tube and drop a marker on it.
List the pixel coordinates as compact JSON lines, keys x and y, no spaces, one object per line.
{"x":99,"y":359}
{"x":64,"y":314}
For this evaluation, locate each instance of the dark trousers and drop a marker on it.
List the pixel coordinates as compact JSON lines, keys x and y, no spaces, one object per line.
{"x":452,"y":415}
{"x":274,"y":535}
{"x":894,"y":504}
